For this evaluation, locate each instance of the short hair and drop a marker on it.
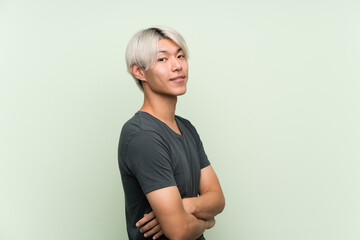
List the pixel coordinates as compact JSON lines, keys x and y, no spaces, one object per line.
{"x":143,"y":47}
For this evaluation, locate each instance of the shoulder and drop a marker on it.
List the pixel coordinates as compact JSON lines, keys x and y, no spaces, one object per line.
{"x":186,"y":123}
{"x":182,"y":119}
{"x":147,"y":139}
{"x":129,"y":130}
{"x":143,"y":138}
{"x":140,"y":124}
{"x":139,"y":131}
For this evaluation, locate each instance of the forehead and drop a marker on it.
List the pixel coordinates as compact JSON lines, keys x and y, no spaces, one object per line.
{"x":168,"y":46}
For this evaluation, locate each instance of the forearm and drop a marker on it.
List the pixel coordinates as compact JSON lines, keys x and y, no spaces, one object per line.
{"x":206,"y":206}
{"x":192,"y":228}
{"x":188,"y":227}
{"x":150,"y":226}
{"x":175,"y":222}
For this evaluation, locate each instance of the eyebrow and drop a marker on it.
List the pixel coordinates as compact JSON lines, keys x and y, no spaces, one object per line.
{"x":164,"y":51}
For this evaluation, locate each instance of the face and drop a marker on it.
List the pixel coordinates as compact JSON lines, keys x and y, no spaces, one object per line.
{"x":169,"y":74}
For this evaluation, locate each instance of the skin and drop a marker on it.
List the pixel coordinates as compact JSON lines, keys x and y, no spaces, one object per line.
{"x":175,"y":217}
{"x":162,"y":83}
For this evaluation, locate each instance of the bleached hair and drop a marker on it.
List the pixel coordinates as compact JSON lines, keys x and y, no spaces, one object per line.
{"x":142,"y":49}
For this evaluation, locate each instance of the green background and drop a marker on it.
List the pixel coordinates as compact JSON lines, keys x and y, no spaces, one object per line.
{"x":273,"y":91}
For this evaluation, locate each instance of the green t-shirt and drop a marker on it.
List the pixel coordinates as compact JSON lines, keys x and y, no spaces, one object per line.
{"x":152,"y":156}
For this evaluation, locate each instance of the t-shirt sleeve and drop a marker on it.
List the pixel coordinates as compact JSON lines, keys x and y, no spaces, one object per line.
{"x":204,"y":161}
{"x":149,"y":161}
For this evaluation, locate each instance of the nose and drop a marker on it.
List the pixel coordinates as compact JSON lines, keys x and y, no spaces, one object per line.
{"x":176,"y":66}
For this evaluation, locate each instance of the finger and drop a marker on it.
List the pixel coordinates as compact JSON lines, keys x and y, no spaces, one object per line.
{"x":152,"y":231}
{"x":145,"y":219}
{"x":158,"y":234}
{"x":149,"y":225}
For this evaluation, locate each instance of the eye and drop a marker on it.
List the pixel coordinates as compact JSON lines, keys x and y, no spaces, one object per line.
{"x":181,"y":56}
{"x":161,"y":59}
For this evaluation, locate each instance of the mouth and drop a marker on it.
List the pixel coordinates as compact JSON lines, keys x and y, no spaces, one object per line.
{"x":180,"y":78}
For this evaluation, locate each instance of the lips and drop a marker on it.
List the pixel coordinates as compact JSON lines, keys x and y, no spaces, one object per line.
{"x":178,"y":78}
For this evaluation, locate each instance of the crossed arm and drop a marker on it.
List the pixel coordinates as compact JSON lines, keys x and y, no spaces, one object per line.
{"x":184,"y":218}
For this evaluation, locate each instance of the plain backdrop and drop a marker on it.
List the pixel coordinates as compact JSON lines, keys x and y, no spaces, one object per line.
{"x":273,"y":91}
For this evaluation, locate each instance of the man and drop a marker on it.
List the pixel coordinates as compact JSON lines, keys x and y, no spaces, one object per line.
{"x":171,"y":190}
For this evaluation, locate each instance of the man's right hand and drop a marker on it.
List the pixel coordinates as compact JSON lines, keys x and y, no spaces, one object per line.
{"x":150,"y":226}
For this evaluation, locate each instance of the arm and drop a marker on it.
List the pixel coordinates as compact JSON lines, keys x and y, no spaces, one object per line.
{"x":210,"y":203}
{"x":170,"y":213}
{"x":211,"y":200}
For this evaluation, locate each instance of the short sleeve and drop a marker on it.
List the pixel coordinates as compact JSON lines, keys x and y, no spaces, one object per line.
{"x":204,"y":161}
{"x":149,"y":161}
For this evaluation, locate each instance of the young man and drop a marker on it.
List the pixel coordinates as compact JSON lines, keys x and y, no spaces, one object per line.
{"x":171,"y":190}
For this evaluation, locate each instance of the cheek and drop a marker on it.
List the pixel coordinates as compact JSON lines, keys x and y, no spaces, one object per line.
{"x":162,"y":73}
{"x":156,"y":75}
{"x":161,"y":76}
{"x":185,"y":67}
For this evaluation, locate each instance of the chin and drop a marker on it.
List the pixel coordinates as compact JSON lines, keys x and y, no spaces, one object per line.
{"x":181,"y":92}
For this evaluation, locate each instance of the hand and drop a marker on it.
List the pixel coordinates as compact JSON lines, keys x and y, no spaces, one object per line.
{"x":150,"y":226}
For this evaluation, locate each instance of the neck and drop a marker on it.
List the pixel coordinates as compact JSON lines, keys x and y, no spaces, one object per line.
{"x":160,"y":106}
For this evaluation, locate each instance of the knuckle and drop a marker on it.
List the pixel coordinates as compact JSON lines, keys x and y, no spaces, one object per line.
{"x":145,"y":228}
{"x":158,"y":234}
{"x":153,"y":223}
{"x":154,"y":230}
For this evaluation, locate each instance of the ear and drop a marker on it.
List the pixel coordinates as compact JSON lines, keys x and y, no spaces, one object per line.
{"x":138,"y":72}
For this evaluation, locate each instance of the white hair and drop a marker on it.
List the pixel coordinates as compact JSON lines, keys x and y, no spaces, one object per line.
{"x":143,"y":47}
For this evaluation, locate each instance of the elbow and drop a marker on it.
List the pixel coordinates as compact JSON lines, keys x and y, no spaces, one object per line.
{"x":221,"y":205}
